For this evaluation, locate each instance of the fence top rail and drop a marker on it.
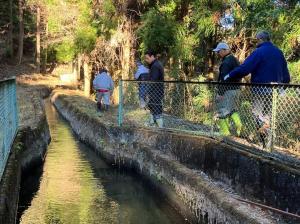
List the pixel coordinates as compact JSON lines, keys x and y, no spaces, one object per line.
{"x":13,"y":78}
{"x":219,"y":83}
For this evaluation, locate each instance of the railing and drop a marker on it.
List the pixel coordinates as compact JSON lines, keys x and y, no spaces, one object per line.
{"x":265,"y":116}
{"x":8,"y":119}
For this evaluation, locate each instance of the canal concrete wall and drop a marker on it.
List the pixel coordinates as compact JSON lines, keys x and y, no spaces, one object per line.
{"x":204,"y":178}
{"x":28,"y":150}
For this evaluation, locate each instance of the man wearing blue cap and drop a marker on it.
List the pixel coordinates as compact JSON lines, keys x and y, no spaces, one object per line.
{"x":266,"y":65}
{"x":226,"y":98}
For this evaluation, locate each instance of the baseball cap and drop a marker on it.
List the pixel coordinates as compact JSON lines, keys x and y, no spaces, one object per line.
{"x":221,"y":46}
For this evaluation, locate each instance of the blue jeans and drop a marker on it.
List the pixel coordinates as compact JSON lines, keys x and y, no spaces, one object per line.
{"x":142,"y":90}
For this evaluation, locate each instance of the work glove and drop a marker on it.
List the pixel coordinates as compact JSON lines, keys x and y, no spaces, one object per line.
{"x":226,"y":77}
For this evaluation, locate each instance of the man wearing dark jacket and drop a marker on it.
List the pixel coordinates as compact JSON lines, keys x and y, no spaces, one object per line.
{"x":266,"y":65}
{"x":226,"y":98}
{"x":155,"y":90}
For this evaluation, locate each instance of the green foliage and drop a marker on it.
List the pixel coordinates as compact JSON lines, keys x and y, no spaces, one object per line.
{"x":295,"y":71}
{"x":169,"y":7}
{"x":158,"y":31}
{"x":184,"y":31}
{"x":186,"y":41}
{"x":106,"y":18}
{"x":85,"y":39}
{"x":290,"y":24}
{"x":65,"y":51}
{"x":71,"y":18}
{"x":202,"y":96}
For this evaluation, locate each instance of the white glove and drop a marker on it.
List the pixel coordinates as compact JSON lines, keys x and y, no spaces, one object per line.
{"x":226,"y":77}
{"x":281,"y":92}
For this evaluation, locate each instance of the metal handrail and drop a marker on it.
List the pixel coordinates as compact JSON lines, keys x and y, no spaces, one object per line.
{"x":8,"y":119}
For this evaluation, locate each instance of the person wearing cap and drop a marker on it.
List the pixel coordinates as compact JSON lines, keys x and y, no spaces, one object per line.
{"x":104,"y":85}
{"x":226,"y":98}
{"x":141,"y":75}
{"x":266,"y":65}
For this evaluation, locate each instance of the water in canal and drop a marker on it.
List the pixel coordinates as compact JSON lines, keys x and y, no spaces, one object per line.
{"x":77,"y":186}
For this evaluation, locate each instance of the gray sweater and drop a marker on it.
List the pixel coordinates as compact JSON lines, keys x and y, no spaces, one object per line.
{"x":103,"y":81}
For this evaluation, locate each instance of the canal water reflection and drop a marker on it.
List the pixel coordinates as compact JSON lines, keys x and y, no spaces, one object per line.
{"x":77,"y":186}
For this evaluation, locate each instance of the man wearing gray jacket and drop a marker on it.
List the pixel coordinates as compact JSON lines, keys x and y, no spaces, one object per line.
{"x":104,"y":85}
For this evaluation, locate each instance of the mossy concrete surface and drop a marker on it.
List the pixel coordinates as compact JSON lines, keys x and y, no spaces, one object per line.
{"x":185,"y":165}
{"x":28,"y":149}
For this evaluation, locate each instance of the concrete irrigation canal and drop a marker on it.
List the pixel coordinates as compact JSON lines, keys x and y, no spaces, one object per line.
{"x":94,"y":171}
{"x":149,"y":112}
{"x":77,"y":186}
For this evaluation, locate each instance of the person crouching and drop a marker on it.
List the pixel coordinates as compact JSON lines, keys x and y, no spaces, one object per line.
{"x":104,"y":85}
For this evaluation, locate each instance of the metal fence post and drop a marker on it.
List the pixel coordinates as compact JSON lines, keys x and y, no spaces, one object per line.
{"x":120,"y":109}
{"x":273,"y":117}
{"x":213,"y":110}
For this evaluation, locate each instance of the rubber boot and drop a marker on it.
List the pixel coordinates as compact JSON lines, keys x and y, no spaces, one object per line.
{"x":238,"y":123}
{"x":160,"y":122}
{"x":150,"y":122}
{"x":224,"y":127}
{"x":142,"y":103}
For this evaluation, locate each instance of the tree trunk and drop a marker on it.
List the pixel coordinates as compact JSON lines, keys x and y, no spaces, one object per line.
{"x":126,"y":60}
{"x":79,"y":60}
{"x":184,"y":9}
{"x":45,"y":51}
{"x":38,"y":39}
{"x":10,"y":31}
{"x":21,"y":32}
{"x":245,"y":47}
{"x":74,"y":71}
{"x":87,"y":77}
{"x":74,"y":68}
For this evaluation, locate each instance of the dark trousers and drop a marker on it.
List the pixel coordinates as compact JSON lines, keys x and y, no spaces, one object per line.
{"x":156,"y":96}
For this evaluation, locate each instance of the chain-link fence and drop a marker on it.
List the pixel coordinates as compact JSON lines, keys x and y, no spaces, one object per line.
{"x":8,"y":119}
{"x":264,"y":116}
